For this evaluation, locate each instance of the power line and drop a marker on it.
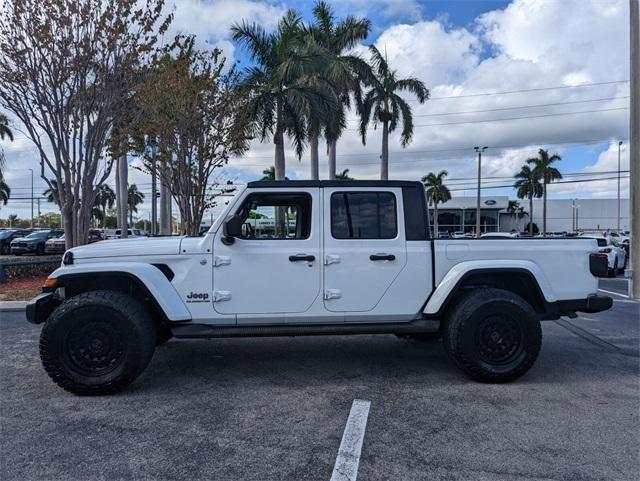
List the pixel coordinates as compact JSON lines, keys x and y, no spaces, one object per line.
{"x":577,"y":181}
{"x":504,"y":92}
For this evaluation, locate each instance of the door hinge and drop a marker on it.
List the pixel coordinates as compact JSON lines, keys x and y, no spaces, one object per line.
{"x":331,"y":259}
{"x":221,"y":261}
{"x":332,"y":294}
{"x":219,"y":296}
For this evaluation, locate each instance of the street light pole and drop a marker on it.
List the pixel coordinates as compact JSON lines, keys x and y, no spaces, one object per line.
{"x":619,"y":145}
{"x":31,"y":198}
{"x":479,"y":150}
{"x":634,"y":151}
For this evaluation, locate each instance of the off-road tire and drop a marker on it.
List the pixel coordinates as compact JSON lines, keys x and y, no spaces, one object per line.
{"x":493,"y":335}
{"x":163,"y":334}
{"x":97,"y":342}
{"x":40,"y":250}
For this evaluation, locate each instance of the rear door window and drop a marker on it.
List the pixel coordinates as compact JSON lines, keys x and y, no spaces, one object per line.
{"x":364,"y":215}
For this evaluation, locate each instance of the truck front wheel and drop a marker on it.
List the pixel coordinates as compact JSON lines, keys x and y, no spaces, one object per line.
{"x":97,"y":342}
{"x":493,"y":335}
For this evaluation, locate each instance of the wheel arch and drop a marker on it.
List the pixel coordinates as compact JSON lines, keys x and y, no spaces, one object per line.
{"x":524,"y":280}
{"x":145,"y":282}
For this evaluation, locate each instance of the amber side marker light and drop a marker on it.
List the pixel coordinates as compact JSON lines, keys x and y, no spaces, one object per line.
{"x":49,"y":283}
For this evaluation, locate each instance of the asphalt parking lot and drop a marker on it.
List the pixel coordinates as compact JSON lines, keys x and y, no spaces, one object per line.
{"x":276,"y":409}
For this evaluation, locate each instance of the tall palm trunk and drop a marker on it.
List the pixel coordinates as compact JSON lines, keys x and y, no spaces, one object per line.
{"x":544,"y":209}
{"x":332,"y":159}
{"x":279,"y":158}
{"x":531,"y":215}
{"x":313,"y":156}
{"x":435,"y":220}
{"x":122,"y":194}
{"x":384,"y":158}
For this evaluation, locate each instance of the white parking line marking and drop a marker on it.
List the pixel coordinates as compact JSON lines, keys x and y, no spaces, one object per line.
{"x":614,"y":293}
{"x":346,"y":467}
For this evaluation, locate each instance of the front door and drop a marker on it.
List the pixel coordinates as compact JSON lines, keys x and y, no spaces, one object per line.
{"x":364,"y":246}
{"x":274,"y":268}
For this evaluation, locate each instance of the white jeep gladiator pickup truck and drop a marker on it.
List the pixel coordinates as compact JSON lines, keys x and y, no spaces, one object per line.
{"x":292,"y":258}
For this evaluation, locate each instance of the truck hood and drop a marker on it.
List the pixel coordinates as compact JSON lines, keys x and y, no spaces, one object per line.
{"x":129,"y":247}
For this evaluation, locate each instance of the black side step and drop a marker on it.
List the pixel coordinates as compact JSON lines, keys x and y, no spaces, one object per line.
{"x":194,"y":331}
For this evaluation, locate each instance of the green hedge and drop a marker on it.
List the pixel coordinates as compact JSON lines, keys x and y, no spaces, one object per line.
{"x":18,"y":267}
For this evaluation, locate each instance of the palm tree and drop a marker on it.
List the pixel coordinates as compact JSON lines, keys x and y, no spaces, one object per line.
{"x":270,"y":174}
{"x":51,"y":193}
{"x":13,"y":219}
{"x":5,"y":190}
{"x":387,"y":106}
{"x":436,"y":192}
{"x":344,"y":175}
{"x":543,"y":165}
{"x":516,"y":210}
{"x":5,"y":131}
{"x":528,"y":186}
{"x":282,"y":89}
{"x":134,"y":198}
{"x":343,"y":73}
{"x":105,"y":198}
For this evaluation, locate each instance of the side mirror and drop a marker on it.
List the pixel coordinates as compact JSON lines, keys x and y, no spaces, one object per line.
{"x":231,"y":229}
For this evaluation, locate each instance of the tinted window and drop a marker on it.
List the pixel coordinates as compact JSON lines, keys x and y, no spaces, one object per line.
{"x":363,"y":215}
{"x":276,"y":216}
{"x":602,"y":242}
{"x":6,"y":233}
{"x":39,"y":234}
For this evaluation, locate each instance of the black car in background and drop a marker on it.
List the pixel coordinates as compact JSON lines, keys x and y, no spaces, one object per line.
{"x":34,"y":242}
{"x":7,"y":235}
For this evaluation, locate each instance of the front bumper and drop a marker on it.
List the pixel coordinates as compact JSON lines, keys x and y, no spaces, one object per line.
{"x":24,"y":249}
{"x":48,"y":249}
{"x":40,"y":308}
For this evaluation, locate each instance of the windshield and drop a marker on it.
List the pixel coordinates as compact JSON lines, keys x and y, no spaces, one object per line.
{"x":39,"y":234}
{"x":6,"y":233}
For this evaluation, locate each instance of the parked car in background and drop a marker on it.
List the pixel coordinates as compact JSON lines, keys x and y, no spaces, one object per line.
{"x":117,"y":233}
{"x":616,"y":256}
{"x":500,"y":235}
{"x":8,"y":235}
{"x":57,"y":245}
{"x":34,"y":243}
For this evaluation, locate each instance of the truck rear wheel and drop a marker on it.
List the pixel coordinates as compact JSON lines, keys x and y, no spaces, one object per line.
{"x":97,"y":342}
{"x":493,"y":335}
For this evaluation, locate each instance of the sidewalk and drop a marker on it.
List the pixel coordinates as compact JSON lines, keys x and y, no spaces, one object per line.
{"x":11,"y":306}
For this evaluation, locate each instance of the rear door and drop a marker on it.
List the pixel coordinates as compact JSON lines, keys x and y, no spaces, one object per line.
{"x":364,"y":246}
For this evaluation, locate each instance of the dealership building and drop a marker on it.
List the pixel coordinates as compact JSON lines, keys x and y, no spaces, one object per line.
{"x":459,"y":214}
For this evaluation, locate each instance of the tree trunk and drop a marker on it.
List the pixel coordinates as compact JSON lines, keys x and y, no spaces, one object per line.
{"x":332,"y":159}
{"x":544,"y":209}
{"x":165,"y":202}
{"x":531,"y":215}
{"x":66,"y":217}
{"x":279,"y":159}
{"x":122,"y":194}
{"x":435,"y":220}
{"x":313,"y":156}
{"x":384,"y":158}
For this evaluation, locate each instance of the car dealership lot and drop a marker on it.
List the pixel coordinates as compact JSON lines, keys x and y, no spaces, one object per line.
{"x":276,"y":409}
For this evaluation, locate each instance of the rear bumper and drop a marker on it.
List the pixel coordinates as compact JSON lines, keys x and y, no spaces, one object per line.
{"x":40,"y":308}
{"x":593,"y":303}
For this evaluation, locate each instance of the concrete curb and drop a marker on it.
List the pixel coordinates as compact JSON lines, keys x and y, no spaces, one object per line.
{"x":12,"y":306}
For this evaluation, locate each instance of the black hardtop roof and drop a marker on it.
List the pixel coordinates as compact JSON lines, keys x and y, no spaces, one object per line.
{"x":333,"y":183}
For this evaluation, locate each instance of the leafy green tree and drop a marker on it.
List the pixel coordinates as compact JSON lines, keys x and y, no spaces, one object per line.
{"x":343,"y":74}
{"x":5,"y":132}
{"x":437,"y":192}
{"x":134,"y":199}
{"x":270,"y":174}
{"x":543,"y":166}
{"x":528,"y":186}
{"x":516,"y":210}
{"x":52,"y":192}
{"x":283,"y":88}
{"x":387,"y":106}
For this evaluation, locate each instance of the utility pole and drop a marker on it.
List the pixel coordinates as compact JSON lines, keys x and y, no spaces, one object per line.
{"x":619,"y":145}
{"x":31,"y":198}
{"x":634,"y":151}
{"x":479,"y":150}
